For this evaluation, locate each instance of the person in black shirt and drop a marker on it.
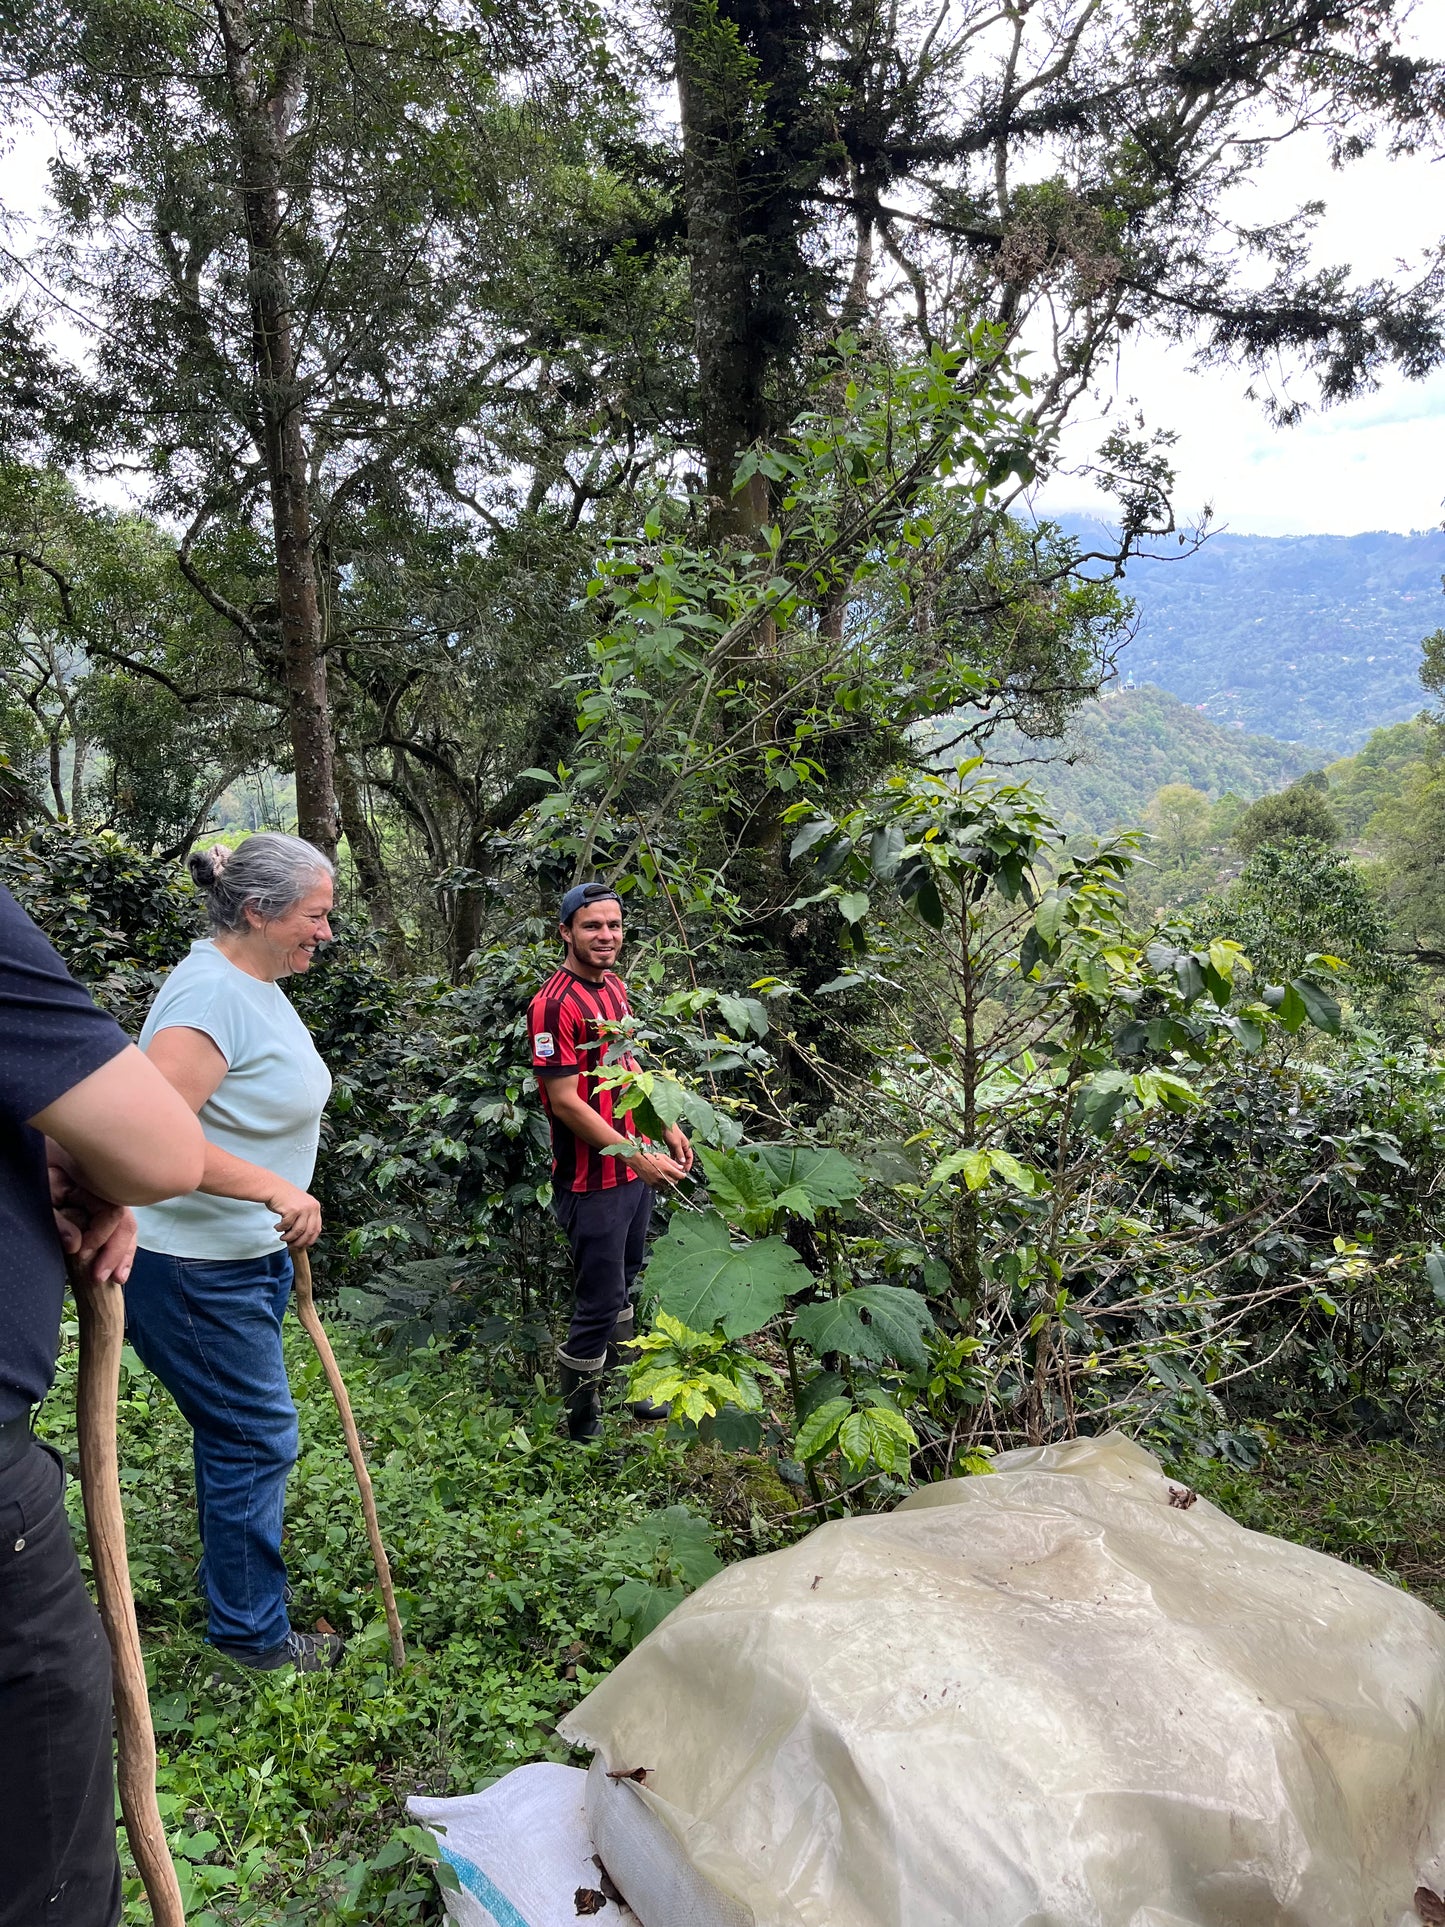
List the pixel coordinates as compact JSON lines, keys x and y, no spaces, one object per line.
{"x":88,"y":1126}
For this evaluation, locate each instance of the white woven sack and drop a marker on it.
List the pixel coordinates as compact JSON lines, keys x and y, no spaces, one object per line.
{"x":521,"y":1851}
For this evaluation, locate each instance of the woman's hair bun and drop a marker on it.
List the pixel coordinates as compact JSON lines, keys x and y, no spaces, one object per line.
{"x":206,"y":865}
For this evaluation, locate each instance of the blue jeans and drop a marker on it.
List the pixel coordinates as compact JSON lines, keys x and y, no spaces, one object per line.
{"x":211,"y":1332}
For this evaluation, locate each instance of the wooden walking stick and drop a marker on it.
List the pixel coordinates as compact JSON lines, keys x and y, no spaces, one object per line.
{"x":306,"y":1311}
{"x":102,"y":1334}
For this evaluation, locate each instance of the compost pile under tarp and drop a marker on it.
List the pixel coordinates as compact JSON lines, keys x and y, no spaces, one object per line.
{"x":1063,"y":1694}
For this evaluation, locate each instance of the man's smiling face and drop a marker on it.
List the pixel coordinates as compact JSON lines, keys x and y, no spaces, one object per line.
{"x":594,"y":936}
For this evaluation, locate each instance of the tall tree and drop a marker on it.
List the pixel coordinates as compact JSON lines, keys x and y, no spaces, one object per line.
{"x":120,"y":705}
{"x":1066,"y":171}
{"x":286,"y":227}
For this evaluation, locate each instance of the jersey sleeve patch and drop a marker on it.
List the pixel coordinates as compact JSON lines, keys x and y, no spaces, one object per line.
{"x":544,"y":1045}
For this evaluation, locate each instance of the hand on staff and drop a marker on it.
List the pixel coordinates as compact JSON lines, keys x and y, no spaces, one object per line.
{"x":298,"y":1215}
{"x":98,"y":1235}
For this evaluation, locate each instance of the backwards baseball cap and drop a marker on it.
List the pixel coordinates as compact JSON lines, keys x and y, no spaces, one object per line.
{"x":581,"y":893}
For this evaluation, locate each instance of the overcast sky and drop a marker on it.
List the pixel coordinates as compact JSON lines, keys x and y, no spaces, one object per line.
{"x":1376,"y":463}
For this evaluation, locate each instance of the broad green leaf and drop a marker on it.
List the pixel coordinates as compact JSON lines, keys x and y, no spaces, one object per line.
{"x":796,"y":1200}
{"x":854,"y":905}
{"x":1292,"y":1009}
{"x":1323,"y":1010}
{"x":928,"y":903}
{"x":875,"y":1322}
{"x":1249,"y":1034}
{"x":641,"y":1605}
{"x":740,"y":1186}
{"x":878,"y":1434}
{"x":1190,"y":975}
{"x":699,"y":1275}
{"x":1101,"y":1099}
{"x":1018,"y":1175}
{"x":829,"y":1179}
{"x":1435,"y":1272}
{"x":1226,"y":957}
{"x":742,"y":1015}
{"x":737,"y":1431}
{"x":819,"y":1429}
{"x":972,"y":1163}
{"x":810,"y":834}
{"x":676,"y":1538}
{"x":1048,"y":917}
{"x":884,"y":849}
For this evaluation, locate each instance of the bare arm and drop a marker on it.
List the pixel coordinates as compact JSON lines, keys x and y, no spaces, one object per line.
{"x":129,"y":1136}
{"x":569,"y":1108}
{"x":192,"y":1064}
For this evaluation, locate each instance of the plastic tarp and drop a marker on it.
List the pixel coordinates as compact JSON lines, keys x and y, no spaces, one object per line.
{"x":1066,"y":1693}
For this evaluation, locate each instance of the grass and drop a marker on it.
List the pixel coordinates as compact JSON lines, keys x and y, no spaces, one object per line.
{"x":524,"y":1569}
{"x":1377,"y":1505}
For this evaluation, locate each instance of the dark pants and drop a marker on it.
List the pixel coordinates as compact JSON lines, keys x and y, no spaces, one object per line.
{"x":211,"y":1333}
{"x":58,"y":1865}
{"x":607,"y":1231}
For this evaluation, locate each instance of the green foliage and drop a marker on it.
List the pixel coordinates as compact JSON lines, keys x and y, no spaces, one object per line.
{"x":521,"y":1576}
{"x":695,"y":1374}
{"x":1302,"y":900}
{"x":1298,"y":814}
{"x":118,"y":919}
{"x":879,"y":1324}
{"x":704,"y":1280}
{"x":716,"y":689}
{"x":96,"y":626}
{"x":755,"y":1183}
{"x":672,"y":1553}
{"x":1377,"y":776}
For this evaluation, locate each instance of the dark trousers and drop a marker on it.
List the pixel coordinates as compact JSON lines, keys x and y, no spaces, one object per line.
{"x":210,"y":1330}
{"x":607,"y":1231}
{"x":58,"y":1864}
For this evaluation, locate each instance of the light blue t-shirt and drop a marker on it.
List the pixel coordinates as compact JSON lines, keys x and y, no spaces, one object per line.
{"x":266,"y":1109}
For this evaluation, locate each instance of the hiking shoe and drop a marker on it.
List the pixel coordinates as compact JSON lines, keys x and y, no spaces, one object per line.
{"x":307,"y":1652}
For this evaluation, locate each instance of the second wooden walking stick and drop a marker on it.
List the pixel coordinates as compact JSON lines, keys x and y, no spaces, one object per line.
{"x":102,"y":1334}
{"x":306,"y":1311}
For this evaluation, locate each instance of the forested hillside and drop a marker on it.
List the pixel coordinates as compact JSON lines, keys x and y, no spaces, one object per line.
{"x":1313,"y":639}
{"x":521,"y":446}
{"x":1119,"y":750}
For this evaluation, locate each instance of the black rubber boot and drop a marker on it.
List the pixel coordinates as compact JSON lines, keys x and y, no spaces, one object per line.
{"x":624,"y":1355}
{"x":582,"y":1395}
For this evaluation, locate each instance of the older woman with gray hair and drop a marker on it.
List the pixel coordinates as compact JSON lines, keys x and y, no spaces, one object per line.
{"x":211,"y":1278}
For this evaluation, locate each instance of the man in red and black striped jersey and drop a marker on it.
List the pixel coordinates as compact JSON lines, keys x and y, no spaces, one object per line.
{"x":603,"y":1203}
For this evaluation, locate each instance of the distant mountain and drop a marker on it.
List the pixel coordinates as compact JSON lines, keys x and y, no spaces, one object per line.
{"x":1122,"y":748}
{"x":1312,"y":638}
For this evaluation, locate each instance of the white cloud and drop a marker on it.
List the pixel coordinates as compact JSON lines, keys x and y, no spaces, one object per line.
{"x":1377,"y":462}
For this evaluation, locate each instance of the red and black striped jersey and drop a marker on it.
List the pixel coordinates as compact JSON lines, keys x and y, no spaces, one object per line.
{"x":564,"y":1020}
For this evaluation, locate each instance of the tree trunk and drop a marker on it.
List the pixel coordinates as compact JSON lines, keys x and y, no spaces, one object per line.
{"x":370,"y":869}
{"x":264,"y":116}
{"x":750,"y":150}
{"x":712,"y":97}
